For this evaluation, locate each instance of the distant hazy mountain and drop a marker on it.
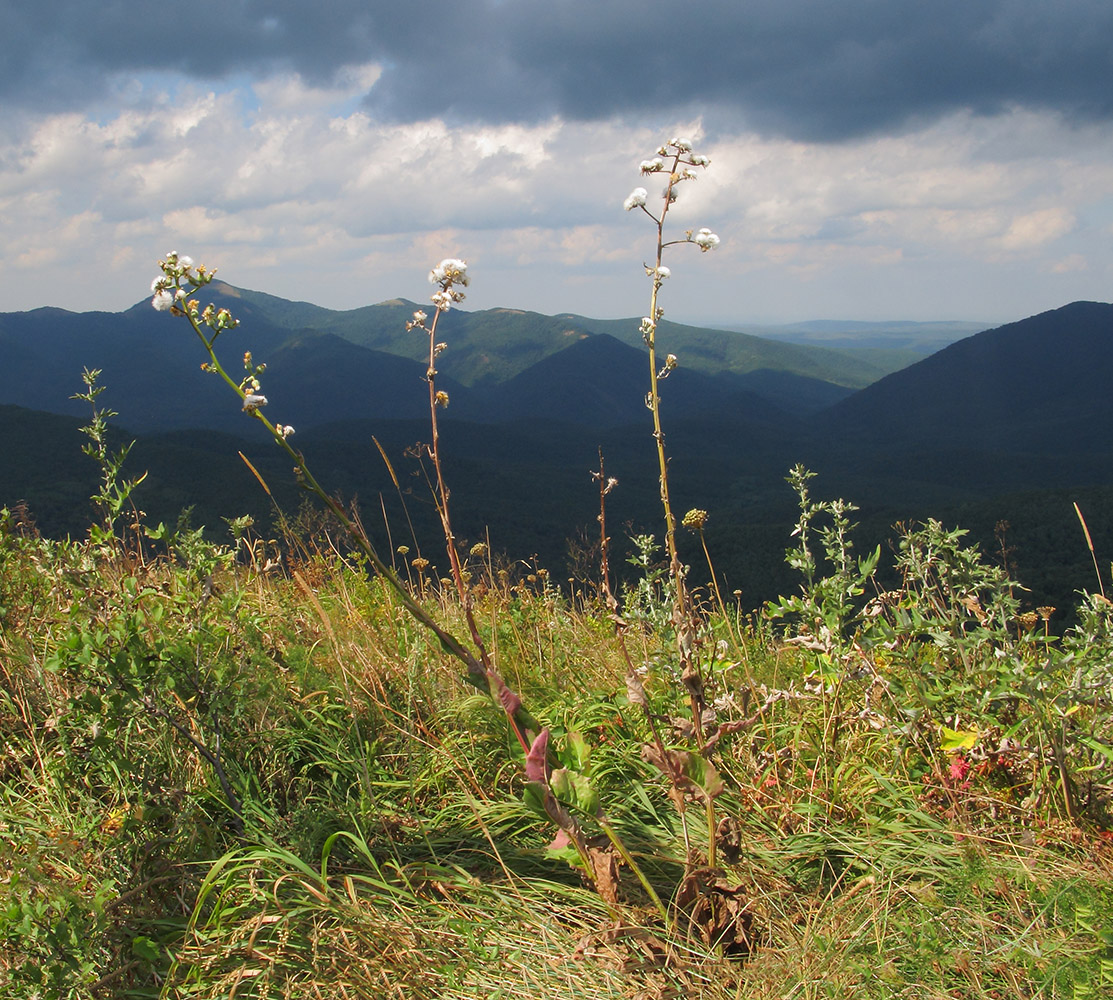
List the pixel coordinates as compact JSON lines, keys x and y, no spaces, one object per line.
{"x":493,"y":345}
{"x":1012,"y":414}
{"x":1042,"y":383}
{"x":326,"y":366}
{"x":896,"y":335}
{"x":600,"y":382}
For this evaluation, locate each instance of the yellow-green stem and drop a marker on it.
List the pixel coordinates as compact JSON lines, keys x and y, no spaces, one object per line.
{"x":628,"y":858}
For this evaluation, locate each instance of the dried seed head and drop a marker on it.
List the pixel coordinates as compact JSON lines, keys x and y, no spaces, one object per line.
{"x":695,"y":518}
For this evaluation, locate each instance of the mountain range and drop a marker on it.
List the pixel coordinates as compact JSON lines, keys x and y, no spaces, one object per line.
{"x":1017,"y":410}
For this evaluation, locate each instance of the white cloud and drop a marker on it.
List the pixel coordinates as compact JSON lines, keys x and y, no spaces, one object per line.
{"x":1072,"y":262}
{"x":1032,"y":229}
{"x":292,"y":189}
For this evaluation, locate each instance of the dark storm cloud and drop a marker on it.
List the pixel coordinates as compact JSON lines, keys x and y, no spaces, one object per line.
{"x":804,"y":68}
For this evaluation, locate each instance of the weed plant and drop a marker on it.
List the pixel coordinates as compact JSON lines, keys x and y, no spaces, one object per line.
{"x":229,"y":771}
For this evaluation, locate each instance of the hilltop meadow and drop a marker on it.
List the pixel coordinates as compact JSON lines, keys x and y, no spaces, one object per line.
{"x":294,"y":754}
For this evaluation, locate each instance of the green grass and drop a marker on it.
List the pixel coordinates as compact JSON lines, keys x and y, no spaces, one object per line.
{"x":371,"y":839}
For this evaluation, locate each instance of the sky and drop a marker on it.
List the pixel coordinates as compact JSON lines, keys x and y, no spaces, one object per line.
{"x":870,"y":159}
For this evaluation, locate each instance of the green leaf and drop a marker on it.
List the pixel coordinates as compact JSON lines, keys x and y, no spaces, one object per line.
{"x":1101,"y":748}
{"x":575,"y":791}
{"x":703,"y":774}
{"x":579,"y":751}
{"x":867,"y":565}
{"x":533,"y":795}
{"x":145,"y":949}
{"x":958,"y":739}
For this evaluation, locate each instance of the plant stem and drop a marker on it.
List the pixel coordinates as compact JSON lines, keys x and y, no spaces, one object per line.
{"x":628,"y":858}
{"x":682,"y":609}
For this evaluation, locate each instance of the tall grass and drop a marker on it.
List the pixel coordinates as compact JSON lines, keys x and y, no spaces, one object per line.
{"x":385,"y":847}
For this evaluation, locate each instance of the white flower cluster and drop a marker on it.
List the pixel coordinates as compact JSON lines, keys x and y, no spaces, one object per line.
{"x":636,"y":199}
{"x":680,"y":169}
{"x":166,"y":288}
{"x":705,"y":240}
{"x":449,"y":273}
{"x":164,"y":298}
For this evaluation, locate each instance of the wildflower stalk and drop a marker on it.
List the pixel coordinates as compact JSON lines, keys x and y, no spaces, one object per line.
{"x":676,"y":160}
{"x":172,"y":294}
{"x":605,"y":486}
{"x":627,"y":857}
{"x":114,"y":492}
{"x":448,"y":274}
{"x":696,"y":519}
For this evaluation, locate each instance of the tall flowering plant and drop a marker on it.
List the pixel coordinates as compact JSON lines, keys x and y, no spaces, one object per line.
{"x":676,"y":162}
{"x":690,"y":774}
{"x":549,"y":791}
{"x":173,"y":292}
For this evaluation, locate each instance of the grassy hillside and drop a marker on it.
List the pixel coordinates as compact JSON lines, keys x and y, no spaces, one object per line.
{"x":246,"y":770}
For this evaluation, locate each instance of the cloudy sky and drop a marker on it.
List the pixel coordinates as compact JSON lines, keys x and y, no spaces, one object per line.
{"x":870,"y":159}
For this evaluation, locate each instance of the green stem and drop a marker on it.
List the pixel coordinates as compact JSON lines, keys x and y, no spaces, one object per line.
{"x":628,"y":858}
{"x":442,"y":495}
{"x":711,"y":824}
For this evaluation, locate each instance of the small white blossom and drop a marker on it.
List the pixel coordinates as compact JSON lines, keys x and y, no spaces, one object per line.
{"x":687,"y":174}
{"x":636,"y":199}
{"x":662,"y":272}
{"x":160,"y":283}
{"x":442,"y":300}
{"x":652,"y":166}
{"x":450,"y":271}
{"x":419,"y":316}
{"x":684,"y":145}
{"x":699,"y":160}
{"x":283,"y":430}
{"x":705,"y":240}
{"x":163,"y":300}
{"x":185,"y":262}
{"x":253,"y":401}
